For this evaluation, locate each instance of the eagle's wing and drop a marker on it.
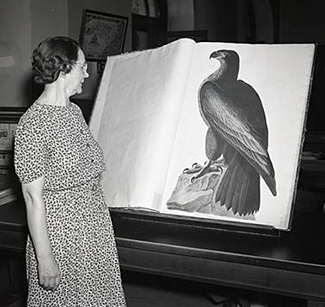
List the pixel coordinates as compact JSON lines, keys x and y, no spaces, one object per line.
{"x":225,"y":118}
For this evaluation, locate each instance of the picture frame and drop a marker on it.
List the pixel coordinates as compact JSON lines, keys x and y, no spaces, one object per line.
{"x":102,"y":34}
{"x":197,"y":35}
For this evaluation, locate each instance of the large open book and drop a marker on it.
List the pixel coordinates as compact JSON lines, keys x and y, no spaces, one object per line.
{"x":207,"y":130}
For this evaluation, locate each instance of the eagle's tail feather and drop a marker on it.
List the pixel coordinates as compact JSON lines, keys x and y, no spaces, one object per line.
{"x":239,"y":189}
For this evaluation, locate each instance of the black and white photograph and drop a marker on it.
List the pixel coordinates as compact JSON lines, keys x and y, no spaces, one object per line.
{"x":162,"y":153}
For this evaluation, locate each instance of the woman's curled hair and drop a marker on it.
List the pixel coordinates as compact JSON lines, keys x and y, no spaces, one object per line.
{"x":53,"y":56}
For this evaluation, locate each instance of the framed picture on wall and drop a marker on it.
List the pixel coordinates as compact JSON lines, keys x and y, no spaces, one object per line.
{"x":102,"y":34}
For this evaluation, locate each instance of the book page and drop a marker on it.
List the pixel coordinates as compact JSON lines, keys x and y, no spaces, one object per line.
{"x":135,"y":118}
{"x":280,"y":75}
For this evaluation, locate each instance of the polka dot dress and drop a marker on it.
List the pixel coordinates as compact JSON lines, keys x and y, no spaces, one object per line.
{"x":55,"y":142}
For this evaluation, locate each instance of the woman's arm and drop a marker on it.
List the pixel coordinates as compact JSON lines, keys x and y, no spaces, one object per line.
{"x":48,"y":270}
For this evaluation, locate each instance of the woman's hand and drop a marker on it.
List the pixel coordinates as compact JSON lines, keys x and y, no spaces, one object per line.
{"x":49,"y":274}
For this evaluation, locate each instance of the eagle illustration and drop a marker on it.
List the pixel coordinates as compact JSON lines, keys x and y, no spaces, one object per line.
{"x":237,"y":134}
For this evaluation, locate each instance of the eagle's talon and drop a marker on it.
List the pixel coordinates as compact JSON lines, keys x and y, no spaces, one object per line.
{"x":218,"y":169}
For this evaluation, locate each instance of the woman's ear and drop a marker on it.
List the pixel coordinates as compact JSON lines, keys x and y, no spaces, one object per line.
{"x":62,"y":74}
{"x":65,"y":70}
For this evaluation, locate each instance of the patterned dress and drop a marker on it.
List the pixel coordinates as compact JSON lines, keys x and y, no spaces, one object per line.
{"x":55,"y":141}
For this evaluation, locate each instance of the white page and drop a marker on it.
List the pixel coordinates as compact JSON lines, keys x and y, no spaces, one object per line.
{"x":281,"y":75}
{"x":134,"y":120}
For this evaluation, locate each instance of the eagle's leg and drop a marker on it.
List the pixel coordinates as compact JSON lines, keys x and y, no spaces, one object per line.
{"x":209,"y":166}
{"x":205,"y":169}
{"x":213,"y":150}
{"x":196,"y":167}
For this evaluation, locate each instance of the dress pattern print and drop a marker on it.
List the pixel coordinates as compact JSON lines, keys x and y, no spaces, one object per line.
{"x":55,"y":142}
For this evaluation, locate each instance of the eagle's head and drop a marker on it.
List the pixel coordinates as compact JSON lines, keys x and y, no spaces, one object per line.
{"x":224,"y":55}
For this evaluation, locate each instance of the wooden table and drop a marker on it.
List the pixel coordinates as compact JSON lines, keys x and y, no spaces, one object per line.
{"x":292,"y":264}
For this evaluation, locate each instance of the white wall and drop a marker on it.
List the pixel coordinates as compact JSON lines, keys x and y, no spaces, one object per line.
{"x":48,"y":18}
{"x":24,"y":23}
{"x":15,"y":46}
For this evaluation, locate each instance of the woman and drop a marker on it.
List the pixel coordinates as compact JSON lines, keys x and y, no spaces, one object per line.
{"x":71,"y":253}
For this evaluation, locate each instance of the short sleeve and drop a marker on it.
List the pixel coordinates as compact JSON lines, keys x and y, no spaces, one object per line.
{"x":29,"y":153}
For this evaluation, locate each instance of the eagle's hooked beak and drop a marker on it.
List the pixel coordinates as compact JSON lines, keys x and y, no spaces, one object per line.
{"x":217,"y":55}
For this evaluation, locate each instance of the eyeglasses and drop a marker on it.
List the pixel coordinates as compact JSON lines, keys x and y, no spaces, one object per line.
{"x":84,"y":65}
